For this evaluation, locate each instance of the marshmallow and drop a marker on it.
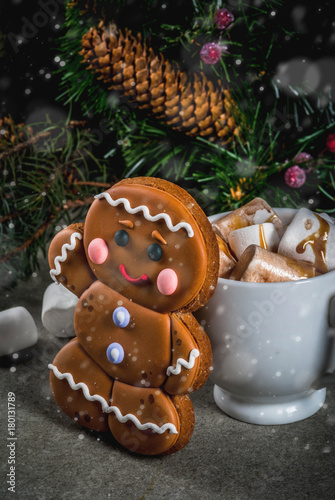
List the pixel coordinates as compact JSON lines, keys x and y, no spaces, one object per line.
{"x":17,"y":331}
{"x":328,"y":218}
{"x":286,"y":216}
{"x":227,"y":261}
{"x":58,"y":309}
{"x":311,"y":238}
{"x":256,"y":211}
{"x":263,"y":235}
{"x":262,"y":266}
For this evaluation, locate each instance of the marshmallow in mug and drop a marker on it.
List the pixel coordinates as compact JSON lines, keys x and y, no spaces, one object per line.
{"x":262,"y":266}
{"x":311,"y":238}
{"x":263,"y":235}
{"x":227,"y":261}
{"x":257,"y":211}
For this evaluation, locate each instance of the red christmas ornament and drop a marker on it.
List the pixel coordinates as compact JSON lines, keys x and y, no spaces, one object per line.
{"x":295,"y":177}
{"x":224,"y":19}
{"x":330,"y":143}
{"x":210,"y":53}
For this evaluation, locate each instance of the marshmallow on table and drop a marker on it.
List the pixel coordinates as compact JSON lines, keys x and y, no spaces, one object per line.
{"x":262,"y":266}
{"x":17,"y":331}
{"x":58,"y":309}
{"x":311,"y":238}
{"x":227,"y":261}
{"x":263,"y":235}
{"x":256,"y":211}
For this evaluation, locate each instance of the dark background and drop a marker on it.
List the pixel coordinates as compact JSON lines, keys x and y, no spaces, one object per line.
{"x":28,"y":79}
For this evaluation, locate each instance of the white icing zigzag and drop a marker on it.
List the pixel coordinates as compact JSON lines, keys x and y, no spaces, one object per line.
{"x":111,"y":409}
{"x":61,"y":258}
{"x":175,"y":370}
{"x":146,"y":213}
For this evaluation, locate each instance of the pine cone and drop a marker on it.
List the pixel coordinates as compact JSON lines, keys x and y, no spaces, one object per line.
{"x":84,"y":5}
{"x":187,"y":103}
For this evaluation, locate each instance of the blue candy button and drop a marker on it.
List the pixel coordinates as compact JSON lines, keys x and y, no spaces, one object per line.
{"x":115,"y":353}
{"x":121,"y":317}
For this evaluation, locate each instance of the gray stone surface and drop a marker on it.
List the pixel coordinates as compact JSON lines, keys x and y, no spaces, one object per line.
{"x":226,"y":459}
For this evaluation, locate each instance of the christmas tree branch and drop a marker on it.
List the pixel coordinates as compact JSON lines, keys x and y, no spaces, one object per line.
{"x":24,"y":145}
{"x":35,"y":138}
{"x":27,"y":243}
{"x":51,"y":183}
{"x":41,"y":230}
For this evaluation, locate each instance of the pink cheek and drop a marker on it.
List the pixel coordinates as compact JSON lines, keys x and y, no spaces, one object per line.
{"x":167,"y":282}
{"x":98,"y":251}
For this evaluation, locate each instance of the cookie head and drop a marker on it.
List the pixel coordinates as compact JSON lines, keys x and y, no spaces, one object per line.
{"x":144,"y":242}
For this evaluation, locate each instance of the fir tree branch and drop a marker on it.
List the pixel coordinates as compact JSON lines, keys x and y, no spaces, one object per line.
{"x":41,"y":230}
{"x":36,"y":138}
{"x":54,"y":182}
{"x":24,"y":145}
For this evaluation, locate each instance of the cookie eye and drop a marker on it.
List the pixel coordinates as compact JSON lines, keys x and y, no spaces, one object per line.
{"x":121,"y":238}
{"x":154,"y":252}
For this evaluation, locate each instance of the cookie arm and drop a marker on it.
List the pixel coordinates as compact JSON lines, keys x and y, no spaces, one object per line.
{"x":191,"y":355}
{"x":68,"y":262}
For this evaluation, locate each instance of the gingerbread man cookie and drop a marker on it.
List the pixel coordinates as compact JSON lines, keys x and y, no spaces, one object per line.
{"x":145,"y":258}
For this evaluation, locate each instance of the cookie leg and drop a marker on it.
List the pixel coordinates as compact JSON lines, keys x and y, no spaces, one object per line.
{"x":148,"y":421}
{"x":80,"y":387}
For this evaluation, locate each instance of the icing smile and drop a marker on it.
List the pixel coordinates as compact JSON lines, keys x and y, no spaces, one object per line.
{"x":135,"y":281}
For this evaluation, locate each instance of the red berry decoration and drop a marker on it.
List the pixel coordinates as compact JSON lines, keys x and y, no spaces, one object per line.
{"x":330,"y":143}
{"x":224,"y":19}
{"x":210,"y":53}
{"x":295,"y":177}
{"x":303,"y":157}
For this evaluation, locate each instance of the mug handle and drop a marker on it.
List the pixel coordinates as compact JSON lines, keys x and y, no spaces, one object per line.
{"x":328,"y":379}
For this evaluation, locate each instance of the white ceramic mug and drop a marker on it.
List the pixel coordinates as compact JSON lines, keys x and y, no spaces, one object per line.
{"x":272,"y":346}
